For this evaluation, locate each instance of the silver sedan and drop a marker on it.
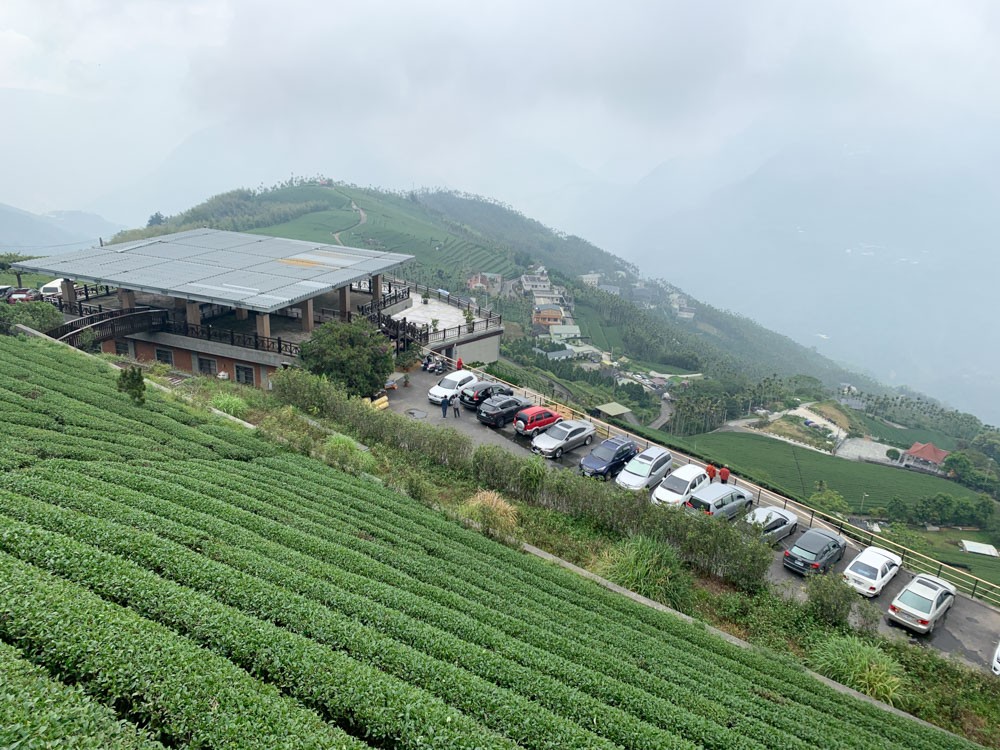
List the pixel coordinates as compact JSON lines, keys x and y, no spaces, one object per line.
{"x":923,"y":603}
{"x":563,"y":437}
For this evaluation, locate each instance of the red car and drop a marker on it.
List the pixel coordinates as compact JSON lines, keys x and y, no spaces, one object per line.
{"x":24,"y":295}
{"x":535,"y":419}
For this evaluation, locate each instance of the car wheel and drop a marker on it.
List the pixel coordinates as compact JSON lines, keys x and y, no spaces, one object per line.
{"x":603,"y":477}
{"x":558,"y":453}
{"x":534,"y":433}
{"x":589,"y":440}
{"x":795,"y":527}
{"x":501,"y":423}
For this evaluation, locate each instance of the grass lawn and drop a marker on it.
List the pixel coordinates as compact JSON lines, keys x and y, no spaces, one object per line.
{"x":29,"y":280}
{"x":943,"y":545}
{"x":602,"y":335}
{"x":796,"y":471}
{"x":904,"y":438}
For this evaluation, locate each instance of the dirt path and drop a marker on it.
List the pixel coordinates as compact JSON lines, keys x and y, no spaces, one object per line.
{"x":362,"y":220}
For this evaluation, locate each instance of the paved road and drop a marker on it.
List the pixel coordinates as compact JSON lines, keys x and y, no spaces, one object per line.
{"x":970,"y":630}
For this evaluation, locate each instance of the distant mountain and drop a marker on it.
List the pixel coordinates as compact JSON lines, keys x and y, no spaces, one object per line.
{"x":58,"y":232}
{"x":872,"y":258}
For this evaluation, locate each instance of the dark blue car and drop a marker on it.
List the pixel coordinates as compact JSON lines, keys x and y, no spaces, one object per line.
{"x":607,"y":459}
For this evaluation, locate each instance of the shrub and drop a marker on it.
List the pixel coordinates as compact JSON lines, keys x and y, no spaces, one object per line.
{"x":830,"y":599}
{"x":496,"y":517}
{"x":892,"y":454}
{"x":345,"y":454}
{"x":232,"y":405}
{"x":290,"y":428}
{"x":648,"y":567}
{"x":860,"y":665}
{"x":131,"y":382}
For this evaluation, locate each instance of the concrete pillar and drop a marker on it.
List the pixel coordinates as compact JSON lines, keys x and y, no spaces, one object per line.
{"x":180,"y":304}
{"x":69,"y":292}
{"x":345,"y":301}
{"x":126,"y":299}
{"x":376,"y":287}
{"x":242,"y":313}
{"x":307,"y":315}
{"x":193,"y":313}
{"x":263,"y":324}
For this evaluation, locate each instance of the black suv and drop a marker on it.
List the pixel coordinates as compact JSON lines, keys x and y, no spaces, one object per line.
{"x":607,"y":459}
{"x":477,"y":393}
{"x":499,"y":410}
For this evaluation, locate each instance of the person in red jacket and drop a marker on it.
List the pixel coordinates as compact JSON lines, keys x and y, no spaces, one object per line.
{"x":724,"y":475}
{"x":458,"y":364}
{"x":710,"y":470}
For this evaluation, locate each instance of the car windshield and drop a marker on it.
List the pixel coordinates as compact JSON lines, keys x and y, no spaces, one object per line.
{"x":450,"y":382}
{"x":603,"y":453}
{"x":863,"y":569}
{"x":913,"y":600}
{"x":638,"y":467}
{"x":803,"y":553}
{"x":674,"y":484}
{"x":558,"y":432}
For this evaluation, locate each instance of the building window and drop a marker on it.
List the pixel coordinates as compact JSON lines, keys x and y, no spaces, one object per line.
{"x":166,"y":356}
{"x":207,"y":366}
{"x":122,"y":349}
{"x":244,"y":375}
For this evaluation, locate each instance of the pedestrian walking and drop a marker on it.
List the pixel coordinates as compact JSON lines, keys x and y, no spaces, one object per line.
{"x":455,"y":405}
{"x":444,"y":408}
{"x":724,"y":475}
{"x":710,"y":470}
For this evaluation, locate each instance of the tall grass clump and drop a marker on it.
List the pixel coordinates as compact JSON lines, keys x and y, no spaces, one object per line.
{"x":860,"y":665}
{"x":496,"y":517}
{"x":232,"y":405}
{"x":648,"y":567}
{"x":344,"y":453}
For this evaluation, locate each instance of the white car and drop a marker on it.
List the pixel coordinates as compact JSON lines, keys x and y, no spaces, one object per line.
{"x":923,"y":603}
{"x":450,"y":385}
{"x":678,"y":486}
{"x":871,"y":570}
{"x":995,"y":665}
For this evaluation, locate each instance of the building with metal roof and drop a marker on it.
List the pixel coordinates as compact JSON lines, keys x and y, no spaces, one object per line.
{"x":239,"y":270}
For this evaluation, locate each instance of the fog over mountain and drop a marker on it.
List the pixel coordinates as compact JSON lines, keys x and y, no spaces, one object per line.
{"x":822,"y":167}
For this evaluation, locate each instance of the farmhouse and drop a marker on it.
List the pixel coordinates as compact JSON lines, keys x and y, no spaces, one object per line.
{"x":924,"y":454}
{"x":239,"y":305}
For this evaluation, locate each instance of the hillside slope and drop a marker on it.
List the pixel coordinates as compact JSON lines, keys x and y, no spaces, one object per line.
{"x":219,"y":592}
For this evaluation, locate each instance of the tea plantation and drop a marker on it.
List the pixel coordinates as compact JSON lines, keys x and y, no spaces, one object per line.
{"x":167,"y":579}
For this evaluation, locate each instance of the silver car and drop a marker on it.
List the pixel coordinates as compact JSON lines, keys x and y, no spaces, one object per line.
{"x":773,"y":524}
{"x":720,"y":501}
{"x":562,"y":437}
{"x":646,"y":470}
{"x":923,"y":603}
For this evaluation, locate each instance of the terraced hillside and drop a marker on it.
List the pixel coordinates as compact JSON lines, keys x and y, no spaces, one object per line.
{"x":163,"y":573}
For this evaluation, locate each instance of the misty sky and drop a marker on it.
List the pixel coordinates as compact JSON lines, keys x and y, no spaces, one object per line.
{"x":127,"y":108}
{"x":99,"y":93}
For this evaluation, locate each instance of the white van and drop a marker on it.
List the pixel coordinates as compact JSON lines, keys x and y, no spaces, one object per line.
{"x":52,"y":288}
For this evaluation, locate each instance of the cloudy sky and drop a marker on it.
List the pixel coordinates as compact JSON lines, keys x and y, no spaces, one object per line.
{"x":593,"y":117}
{"x":98,"y":93}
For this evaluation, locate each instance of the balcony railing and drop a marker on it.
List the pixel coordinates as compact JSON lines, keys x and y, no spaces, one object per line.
{"x":231,"y":337}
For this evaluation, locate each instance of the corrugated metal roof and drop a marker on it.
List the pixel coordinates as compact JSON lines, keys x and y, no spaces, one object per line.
{"x":251,"y":271}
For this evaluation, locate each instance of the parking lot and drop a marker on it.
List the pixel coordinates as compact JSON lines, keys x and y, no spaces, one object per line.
{"x":970,"y":630}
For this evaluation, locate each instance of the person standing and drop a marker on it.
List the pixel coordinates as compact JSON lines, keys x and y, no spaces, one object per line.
{"x":455,"y":405}
{"x":459,"y":364}
{"x":710,"y":470}
{"x":444,"y":408}
{"x":724,"y":474}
